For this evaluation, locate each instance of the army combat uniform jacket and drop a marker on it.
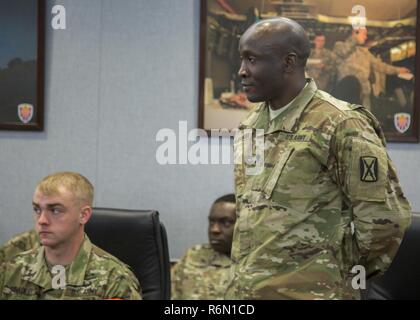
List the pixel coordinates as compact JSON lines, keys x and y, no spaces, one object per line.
{"x":93,"y":275}
{"x":327,"y":199}
{"x":22,"y":242}
{"x":202,"y":274}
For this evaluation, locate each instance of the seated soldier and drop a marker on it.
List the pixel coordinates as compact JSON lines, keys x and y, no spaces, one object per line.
{"x":203,"y":272}
{"x":66,"y":265}
{"x":21,"y":242}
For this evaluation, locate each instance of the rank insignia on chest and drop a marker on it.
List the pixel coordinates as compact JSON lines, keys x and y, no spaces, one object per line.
{"x":368,"y":169}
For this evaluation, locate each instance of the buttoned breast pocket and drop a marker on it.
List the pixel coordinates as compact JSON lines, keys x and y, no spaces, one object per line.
{"x":292,"y":172}
{"x":268,"y":183}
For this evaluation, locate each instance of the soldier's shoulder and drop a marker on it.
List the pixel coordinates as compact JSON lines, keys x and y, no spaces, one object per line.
{"x":201,"y":249}
{"x":329,"y":102}
{"x":329,"y":107}
{"x":101,"y":256}
{"x":25,"y":257}
{"x":199,"y":254}
{"x":108,"y":263}
{"x":23,"y":240}
{"x":108,"y":268}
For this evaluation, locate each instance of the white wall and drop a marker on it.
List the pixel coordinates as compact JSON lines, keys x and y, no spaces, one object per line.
{"x":121,"y":71}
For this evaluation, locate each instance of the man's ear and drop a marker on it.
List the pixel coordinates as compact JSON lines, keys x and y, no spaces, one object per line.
{"x":290,"y":62}
{"x":85,"y":214}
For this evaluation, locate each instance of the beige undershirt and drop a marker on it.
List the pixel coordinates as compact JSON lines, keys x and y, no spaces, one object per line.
{"x":275,"y":113}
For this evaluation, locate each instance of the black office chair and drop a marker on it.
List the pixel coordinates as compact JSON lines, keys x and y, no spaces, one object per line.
{"x":402,"y":279}
{"x":137,"y":238}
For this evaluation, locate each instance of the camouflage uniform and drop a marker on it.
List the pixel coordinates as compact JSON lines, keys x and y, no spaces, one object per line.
{"x":324,"y":76}
{"x":93,"y":275}
{"x":328,"y":199}
{"x":22,"y":242}
{"x":202,"y":274}
{"x":358,"y":61}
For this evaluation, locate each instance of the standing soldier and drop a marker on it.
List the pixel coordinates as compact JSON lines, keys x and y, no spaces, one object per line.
{"x":356,"y":60}
{"x":328,"y":197}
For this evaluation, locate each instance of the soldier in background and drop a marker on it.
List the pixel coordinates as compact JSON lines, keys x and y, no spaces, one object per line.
{"x":321,"y":64}
{"x":66,"y":265}
{"x":328,"y":197}
{"x":21,"y":242}
{"x":203,"y":272}
{"x":356,"y":60}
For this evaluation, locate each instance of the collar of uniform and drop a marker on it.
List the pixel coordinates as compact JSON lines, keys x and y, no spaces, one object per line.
{"x":260,"y":117}
{"x":42,"y":276}
{"x":220,"y":259}
{"x":287,"y":120}
{"x":78,"y":267}
{"x":223,"y":262}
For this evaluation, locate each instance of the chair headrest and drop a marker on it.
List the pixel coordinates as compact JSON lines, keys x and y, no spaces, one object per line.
{"x":137,"y":238}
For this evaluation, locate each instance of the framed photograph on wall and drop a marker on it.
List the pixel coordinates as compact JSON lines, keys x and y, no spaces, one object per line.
{"x":22,"y":64}
{"x":364,"y":54}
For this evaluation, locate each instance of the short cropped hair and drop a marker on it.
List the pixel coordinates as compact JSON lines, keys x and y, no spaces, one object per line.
{"x":226,"y":198}
{"x":77,"y":184}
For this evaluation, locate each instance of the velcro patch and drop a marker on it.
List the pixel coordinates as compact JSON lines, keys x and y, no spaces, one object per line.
{"x":368,"y":169}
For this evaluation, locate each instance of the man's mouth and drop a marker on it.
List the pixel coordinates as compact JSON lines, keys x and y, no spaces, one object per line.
{"x":247,"y":87}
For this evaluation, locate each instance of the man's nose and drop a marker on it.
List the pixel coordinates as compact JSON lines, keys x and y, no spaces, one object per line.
{"x":42,"y":218}
{"x":243,"y":72}
{"x":214,"y":228}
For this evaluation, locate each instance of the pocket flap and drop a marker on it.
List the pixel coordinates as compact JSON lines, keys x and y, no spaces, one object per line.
{"x":275,"y":174}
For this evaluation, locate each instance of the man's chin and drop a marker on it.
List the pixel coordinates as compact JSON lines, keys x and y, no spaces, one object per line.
{"x":254,"y":99}
{"x":218,"y":247}
{"x":47,"y":242}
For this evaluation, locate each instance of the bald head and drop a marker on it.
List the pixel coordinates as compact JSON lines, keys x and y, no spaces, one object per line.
{"x":281,"y":35}
{"x":273,"y":57}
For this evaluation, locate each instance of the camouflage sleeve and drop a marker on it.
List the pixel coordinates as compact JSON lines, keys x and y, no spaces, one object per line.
{"x":2,"y":275}
{"x":19,"y":243}
{"x":381,"y":66}
{"x":124,"y":287}
{"x":2,"y":255}
{"x":4,"y":267}
{"x":380,"y":213}
{"x":8,"y":251}
{"x":343,"y":49}
{"x":177,"y":279}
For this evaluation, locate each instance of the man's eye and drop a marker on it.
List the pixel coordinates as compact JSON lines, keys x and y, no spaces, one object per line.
{"x":56,"y":211}
{"x":227,"y":224}
{"x":37,"y":210}
{"x":251,"y":59}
